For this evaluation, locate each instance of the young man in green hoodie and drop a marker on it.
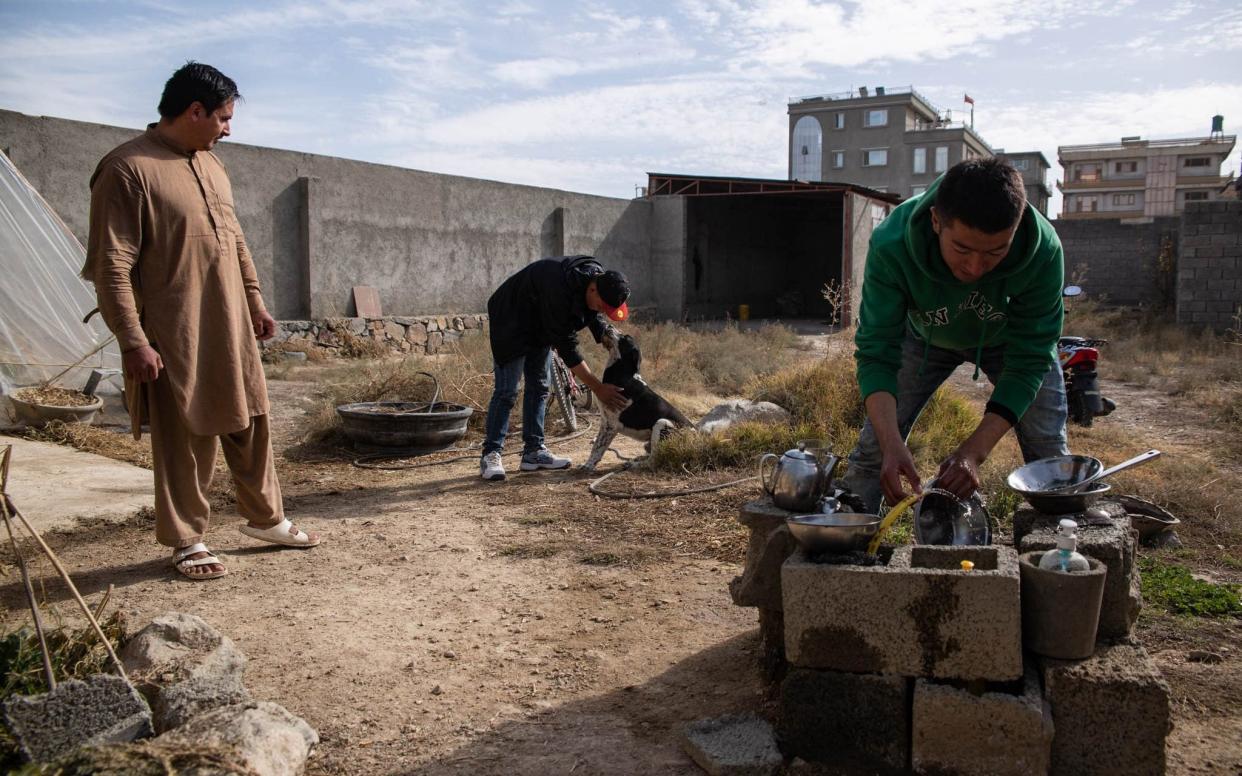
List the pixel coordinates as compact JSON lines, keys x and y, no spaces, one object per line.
{"x":965,"y":272}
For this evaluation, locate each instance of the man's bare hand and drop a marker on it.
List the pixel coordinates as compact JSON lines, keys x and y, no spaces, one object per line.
{"x":959,"y":474}
{"x":897,"y":466}
{"x":612,"y":397}
{"x":264,"y":325}
{"x":142,"y":364}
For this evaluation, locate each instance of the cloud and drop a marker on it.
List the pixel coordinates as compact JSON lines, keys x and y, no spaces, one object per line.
{"x":800,"y":34}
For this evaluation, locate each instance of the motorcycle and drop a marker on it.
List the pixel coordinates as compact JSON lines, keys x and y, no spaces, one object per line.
{"x":1078,"y":357}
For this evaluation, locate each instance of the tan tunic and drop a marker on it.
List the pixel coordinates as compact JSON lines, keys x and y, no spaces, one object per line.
{"x":171,"y":269}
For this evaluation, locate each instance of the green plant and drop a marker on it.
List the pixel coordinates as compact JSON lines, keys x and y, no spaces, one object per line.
{"x":1177,"y":591}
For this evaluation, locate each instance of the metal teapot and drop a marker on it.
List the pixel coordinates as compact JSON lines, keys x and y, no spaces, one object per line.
{"x":800,"y":477}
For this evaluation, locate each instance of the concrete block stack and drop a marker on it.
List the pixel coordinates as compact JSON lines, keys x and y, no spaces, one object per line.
{"x":916,"y":664}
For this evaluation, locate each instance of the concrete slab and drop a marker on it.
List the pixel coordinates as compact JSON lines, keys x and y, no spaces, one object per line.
{"x":1113,"y":544}
{"x":104,"y":709}
{"x":860,"y":720}
{"x":733,"y":745}
{"x":994,"y":733}
{"x":919,"y":615}
{"x":1111,"y":713}
{"x":55,"y":486}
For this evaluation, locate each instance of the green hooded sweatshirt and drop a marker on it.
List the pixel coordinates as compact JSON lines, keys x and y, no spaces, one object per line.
{"x":1017,"y":305}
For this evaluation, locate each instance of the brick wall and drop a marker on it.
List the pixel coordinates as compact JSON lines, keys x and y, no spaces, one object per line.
{"x":1209,"y":275}
{"x":1122,"y":263}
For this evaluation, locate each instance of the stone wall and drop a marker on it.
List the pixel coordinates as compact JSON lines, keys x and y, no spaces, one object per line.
{"x":427,"y":334}
{"x":1123,"y":264}
{"x":1209,"y":281}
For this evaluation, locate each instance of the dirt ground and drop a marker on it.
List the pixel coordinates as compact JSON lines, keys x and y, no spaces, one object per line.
{"x":452,"y":626}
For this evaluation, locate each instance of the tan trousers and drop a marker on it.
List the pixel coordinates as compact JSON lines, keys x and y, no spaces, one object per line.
{"x":185,"y":463}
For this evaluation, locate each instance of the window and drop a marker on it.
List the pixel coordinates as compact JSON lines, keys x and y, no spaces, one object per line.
{"x":876,"y":118}
{"x":1123,"y":199}
{"x":942,"y":158}
{"x":920,"y":161}
{"x":806,"y":161}
{"x":1086,"y":172}
{"x":838,"y":121}
{"x":1197,"y":161}
{"x":875,"y":157}
{"x":1125,"y":167}
{"x":917,"y":190}
{"x":1086,"y":204}
{"x":1195,"y":196}
{"x":1021,"y":164}
{"x":838,"y":159}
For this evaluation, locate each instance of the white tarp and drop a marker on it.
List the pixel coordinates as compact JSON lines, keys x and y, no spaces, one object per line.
{"x":42,"y":299}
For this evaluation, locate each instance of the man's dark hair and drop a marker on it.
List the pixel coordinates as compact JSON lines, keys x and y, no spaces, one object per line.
{"x":613,"y":288}
{"x":984,"y":194}
{"x":196,"y":82}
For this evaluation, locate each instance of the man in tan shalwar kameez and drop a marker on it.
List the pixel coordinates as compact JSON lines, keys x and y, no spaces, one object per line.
{"x":177,"y":287}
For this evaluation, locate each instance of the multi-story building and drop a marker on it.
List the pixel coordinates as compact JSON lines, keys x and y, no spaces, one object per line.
{"x":1137,"y":179}
{"x":892,"y":140}
{"x":1034,"y":168}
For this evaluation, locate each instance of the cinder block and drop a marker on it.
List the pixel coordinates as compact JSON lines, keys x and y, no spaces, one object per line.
{"x":770,"y":543}
{"x":846,"y":719}
{"x":1110,"y":713}
{"x":999,"y":732}
{"x":104,"y":709}
{"x":918,"y":615}
{"x":1113,"y":545}
{"x":733,"y":745}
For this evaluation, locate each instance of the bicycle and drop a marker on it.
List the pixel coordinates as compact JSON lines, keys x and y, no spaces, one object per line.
{"x":570,"y":394}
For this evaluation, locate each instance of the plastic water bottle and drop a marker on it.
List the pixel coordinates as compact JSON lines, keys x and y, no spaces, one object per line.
{"x":1066,"y":557}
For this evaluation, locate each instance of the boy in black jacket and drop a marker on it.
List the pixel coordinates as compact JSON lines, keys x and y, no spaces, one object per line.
{"x":543,"y":306}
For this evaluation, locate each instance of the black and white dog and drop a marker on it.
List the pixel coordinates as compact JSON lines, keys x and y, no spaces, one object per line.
{"x":647,"y":417}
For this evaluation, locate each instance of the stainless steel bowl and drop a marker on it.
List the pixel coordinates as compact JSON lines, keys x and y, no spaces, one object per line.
{"x":1051,"y":474}
{"x":1067,"y":503}
{"x":841,"y":532}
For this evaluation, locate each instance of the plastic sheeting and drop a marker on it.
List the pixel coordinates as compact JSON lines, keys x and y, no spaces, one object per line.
{"x":42,"y":298}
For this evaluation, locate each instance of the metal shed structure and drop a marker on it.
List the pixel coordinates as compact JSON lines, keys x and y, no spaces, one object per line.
{"x":771,"y":245}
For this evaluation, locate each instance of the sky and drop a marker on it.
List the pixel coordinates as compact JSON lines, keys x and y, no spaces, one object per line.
{"x":590,"y":96}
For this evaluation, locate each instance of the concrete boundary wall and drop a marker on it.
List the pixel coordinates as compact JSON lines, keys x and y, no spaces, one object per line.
{"x":319,"y":225}
{"x":1124,"y":264}
{"x":1209,"y":275}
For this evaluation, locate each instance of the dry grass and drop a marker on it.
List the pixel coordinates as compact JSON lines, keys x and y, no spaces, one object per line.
{"x":692,"y":368}
{"x":116,"y":444}
{"x":822,"y":396}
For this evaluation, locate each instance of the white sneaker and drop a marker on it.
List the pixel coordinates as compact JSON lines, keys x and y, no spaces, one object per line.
{"x":491,"y":467}
{"x":543,"y":459}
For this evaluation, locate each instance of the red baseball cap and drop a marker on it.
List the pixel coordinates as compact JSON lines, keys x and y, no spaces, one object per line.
{"x":614,"y":290}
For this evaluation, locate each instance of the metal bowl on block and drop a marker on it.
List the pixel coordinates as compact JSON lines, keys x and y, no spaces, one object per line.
{"x":1052,"y":474}
{"x":837,"y":533}
{"x":1067,"y":503}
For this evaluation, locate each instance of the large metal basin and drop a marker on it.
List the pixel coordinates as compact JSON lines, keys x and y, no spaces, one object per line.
{"x":410,"y":426}
{"x":840,"y":533}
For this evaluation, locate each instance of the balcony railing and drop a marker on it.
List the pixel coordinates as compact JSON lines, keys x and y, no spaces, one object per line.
{"x":1174,"y":143}
{"x":854,"y":95}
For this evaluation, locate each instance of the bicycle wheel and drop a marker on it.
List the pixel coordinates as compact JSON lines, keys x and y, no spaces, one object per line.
{"x":560,"y":378}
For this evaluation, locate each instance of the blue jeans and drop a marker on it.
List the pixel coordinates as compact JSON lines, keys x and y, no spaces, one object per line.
{"x":534,"y":401}
{"x":1041,"y":431}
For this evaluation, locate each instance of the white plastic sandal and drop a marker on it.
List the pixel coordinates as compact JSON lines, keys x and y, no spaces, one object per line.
{"x":184,"y":564}
{"x":283,"y":533}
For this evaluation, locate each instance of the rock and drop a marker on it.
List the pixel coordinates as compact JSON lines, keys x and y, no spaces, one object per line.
{"x":733,"y":745}
{"x":394,"y":331}
{"x":356,"y":326}
{"x":724,"y":415}
{"x":196,"y":655}
{"x":103,"y":709}
{"x":470,"y":322}
{"x":417,"y":333}
{"x":270,"y":740}
{"x":434,"y":340}
{"x":178,"y":703}
{"x":1203,"y":656}
{"x":294,"y":355}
